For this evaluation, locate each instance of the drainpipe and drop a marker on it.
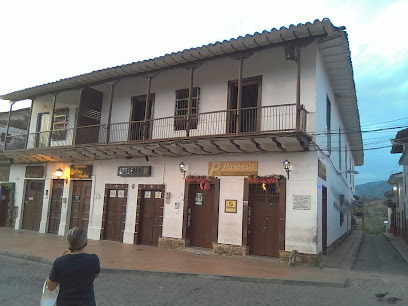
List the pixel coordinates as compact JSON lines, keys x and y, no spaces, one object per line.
{"x":298,"y":89}
{"x":149,"y":83}
{"x":239,"y":95}
{"x":29,"y":123}
{"x":110,"y":110}
{"x":8,"y":125}
{"x":54,"y":99}
{"x":190,"y":99}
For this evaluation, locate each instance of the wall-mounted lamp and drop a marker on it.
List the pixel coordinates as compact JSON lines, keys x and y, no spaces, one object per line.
{"x":286,"y":166}
{"x":183,"y":169}
{"x":58,"y":174}
{"x":395,"y":188}
{"x":350,"y":171}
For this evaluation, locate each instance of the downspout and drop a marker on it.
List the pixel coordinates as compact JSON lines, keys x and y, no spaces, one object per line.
{"x":110,"y":110}
{"x":54,"y":99}
{"x":29,"y":123}
{"x":239,"y":95}
{"x":190,"y":99}
{"x":298,"y":89}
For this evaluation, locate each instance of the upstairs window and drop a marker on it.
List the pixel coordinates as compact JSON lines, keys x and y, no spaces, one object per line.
{"x":181,"y":109}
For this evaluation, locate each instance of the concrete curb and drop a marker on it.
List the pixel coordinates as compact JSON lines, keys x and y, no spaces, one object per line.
{"x":397,"y":248}
{"x":339,"y":284}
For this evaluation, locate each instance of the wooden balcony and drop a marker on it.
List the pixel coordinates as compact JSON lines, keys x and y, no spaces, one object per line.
{"x":267,"y":128}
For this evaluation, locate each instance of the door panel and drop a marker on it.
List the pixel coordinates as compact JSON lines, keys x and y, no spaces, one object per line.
{"x":81,"y":199}
{"x":115,"y":217}
{"x":56,"y":204}
{"x":264,"y":221}
{"x":151,"y":218}
{"x":33,"y":205}
{"x":200,"y":216}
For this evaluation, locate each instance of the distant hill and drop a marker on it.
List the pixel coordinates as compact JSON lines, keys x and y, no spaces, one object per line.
{"x":372,"y":190}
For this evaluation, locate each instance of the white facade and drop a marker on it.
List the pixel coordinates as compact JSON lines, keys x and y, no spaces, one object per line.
{"x":303,"y":228}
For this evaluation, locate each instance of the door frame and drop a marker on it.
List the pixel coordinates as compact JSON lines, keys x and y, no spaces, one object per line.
{"x":215,"y":217}
{"x":324,"y":220}
{"x":105,"y":210}
{"x":140,"y":192}
{"x":282,"y":214}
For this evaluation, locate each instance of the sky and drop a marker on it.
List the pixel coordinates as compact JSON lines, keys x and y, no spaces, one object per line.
{"x":44,"y":41}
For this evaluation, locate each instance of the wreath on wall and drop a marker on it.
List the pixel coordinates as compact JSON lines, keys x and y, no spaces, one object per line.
{"x":10,"y":212}
{"x":266,"y":180}
{"x":203,"y":180}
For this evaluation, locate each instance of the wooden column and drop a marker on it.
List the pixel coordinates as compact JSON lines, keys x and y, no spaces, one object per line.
{"x":29,"y":123}
{"x":298,"y":89}
{"x":108,"y":127}
{"x":54,"y":99}
{"x":239,"y":95}
{"x":145,"y":123}
{"x":76,"y":118}
{"x":190,"y":99}
{"x":8,"y":125}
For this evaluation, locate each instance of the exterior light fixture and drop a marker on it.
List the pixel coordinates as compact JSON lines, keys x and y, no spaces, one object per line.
{"x":353,"y":171}
{"x":183,"y":169}
{"x":58,"y":173}
{"x":395,"y":188}
{"x":286,"y":167}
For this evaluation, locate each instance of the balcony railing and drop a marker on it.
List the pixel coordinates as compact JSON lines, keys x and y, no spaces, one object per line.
{"x":250,"y":121}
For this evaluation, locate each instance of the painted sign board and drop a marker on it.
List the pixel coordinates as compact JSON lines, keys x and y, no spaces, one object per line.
{"x":134,"y":171}
{"x":301,"y":202}
{"x":81,"y":172}
{"x":233,"y":168}
{"x":34,"y":171}
{"x":230,"y":206}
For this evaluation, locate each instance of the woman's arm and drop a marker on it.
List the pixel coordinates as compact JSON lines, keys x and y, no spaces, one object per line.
{"x":51,"y":285}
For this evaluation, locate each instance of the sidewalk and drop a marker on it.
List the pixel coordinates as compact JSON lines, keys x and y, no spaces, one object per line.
{"x":400,"y":245}
{"x":119,"y":257}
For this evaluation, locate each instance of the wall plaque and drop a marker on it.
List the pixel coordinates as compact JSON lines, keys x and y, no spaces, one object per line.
{"x":34,"y":171}
{"x":230,"y":206}
{"x":5,"y":172}
{"x":233,"y":168}
{"x":81,"y":172}
{"x":301,"y":202}
{"x":134,"y":171}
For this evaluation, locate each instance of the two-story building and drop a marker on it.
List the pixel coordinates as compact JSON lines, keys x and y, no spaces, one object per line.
{"x":242,"y":146}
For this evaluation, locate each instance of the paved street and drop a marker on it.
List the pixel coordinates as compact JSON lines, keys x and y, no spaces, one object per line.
{"x":21,"y":283}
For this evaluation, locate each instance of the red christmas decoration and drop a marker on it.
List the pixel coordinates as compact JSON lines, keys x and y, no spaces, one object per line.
{"x":201,"y":179}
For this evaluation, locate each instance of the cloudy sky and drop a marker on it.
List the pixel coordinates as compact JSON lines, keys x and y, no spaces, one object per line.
{"x":44,"y":41}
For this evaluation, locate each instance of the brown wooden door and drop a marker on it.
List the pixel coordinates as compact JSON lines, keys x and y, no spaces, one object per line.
{"x":4,"y":199}
{"x":33,"y":203}
{"x":56,"y":204}
{"x":264,"y":220}
{"x":200,"y":216}
{"x":324,"y":220}
{"x":81,"y":199}
{"x":151,"y":218}
{"x":115,"y":214}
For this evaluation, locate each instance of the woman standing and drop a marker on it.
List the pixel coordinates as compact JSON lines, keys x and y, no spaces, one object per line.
{"x":75,"y":272}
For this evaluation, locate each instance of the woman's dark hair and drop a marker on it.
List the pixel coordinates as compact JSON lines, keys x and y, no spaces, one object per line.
{"x":77,"y":239}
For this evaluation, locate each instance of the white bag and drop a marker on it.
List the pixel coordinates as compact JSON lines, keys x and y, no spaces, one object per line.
{"x":49,"y":298}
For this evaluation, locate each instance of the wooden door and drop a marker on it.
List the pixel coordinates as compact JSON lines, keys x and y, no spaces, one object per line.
{"x":89,"y":116}
{"x":200,"y":216}
{"x":115,"y":214}
{"x":151,"y":217}
{"x":81,"y":199}
{"x":43,"y":126}
{"x":264,"y":220}
{"x":4,"y":199}
{"x":324,"y":220}
{"x":138,"y":129}
{"x":56,"y":204}
{"x":33,"y":203}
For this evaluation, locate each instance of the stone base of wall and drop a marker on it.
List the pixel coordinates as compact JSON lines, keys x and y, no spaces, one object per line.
{"x":335,"y":244}
{"x":310,"y":259}
{"x":229,"y":249}
{"x":172,"y":243}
